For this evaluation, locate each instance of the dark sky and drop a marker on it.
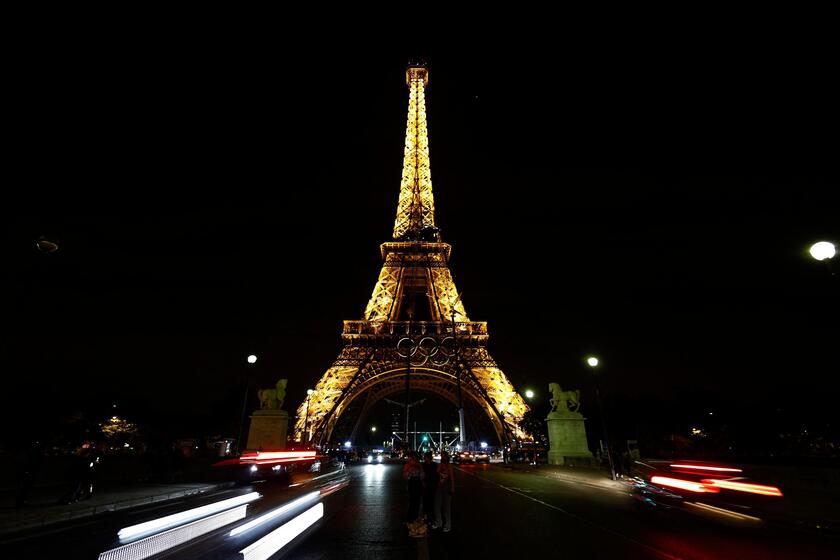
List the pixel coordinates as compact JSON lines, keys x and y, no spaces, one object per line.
{"x":653,"y":205}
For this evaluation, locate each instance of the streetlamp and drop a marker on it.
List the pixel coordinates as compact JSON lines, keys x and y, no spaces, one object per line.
{"x":824,"y":251}
{"x":594,"y":362}
{"x":373,"y":428}
{"x":529,"y":394}
{"x":251,"y":359}
{"x":306,"y":421}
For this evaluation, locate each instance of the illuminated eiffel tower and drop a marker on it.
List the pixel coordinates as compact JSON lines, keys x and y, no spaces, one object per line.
{"x":414,"y":315}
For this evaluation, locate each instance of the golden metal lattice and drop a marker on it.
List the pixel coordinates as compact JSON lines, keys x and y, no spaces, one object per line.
{"x":416,"y":205}
{"x":412,"y":270}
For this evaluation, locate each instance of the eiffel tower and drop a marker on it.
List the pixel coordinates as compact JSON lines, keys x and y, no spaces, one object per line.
{"x":415,"y":334}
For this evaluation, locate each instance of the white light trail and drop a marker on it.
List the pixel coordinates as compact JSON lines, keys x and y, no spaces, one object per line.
{"x":179,"y":535}
{"x":312,"y":496}
{"x":162,"y":523}
{"x":283,"y":535}
{"x":724,"y":512}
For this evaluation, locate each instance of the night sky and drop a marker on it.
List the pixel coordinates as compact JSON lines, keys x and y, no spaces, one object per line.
{"x":651,"y":206}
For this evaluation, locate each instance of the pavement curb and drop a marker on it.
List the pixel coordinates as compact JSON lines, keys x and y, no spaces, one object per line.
{"x":52,"y":519}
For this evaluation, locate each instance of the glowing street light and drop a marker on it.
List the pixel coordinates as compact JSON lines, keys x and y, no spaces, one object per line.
{"x":592,"y":361}
{"x":347,"y":443}
{"x":252,"y":359}
{"x":483,"y":444}
{"x":529,"y":394}
{"x":373,"y":428}
{"x":457,"y":429}
{"x":822,"y":250}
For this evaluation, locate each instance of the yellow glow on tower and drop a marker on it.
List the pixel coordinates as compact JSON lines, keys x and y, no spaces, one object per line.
{"x":416,"y":206}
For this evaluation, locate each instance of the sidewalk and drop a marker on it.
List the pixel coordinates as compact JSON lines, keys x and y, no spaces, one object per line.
{"x":42,"y":508}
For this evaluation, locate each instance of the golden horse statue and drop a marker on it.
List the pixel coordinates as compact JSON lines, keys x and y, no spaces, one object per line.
{"x":563,"y":401}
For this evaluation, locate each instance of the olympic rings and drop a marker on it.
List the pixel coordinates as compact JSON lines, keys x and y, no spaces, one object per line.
{"x":427,"y":349}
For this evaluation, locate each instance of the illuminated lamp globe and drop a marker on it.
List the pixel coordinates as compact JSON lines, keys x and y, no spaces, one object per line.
{"x":252,"y":359}
{"x":593,"y":361}
{"x":822,"y":250}
{"x":309,"y":391}
{"x":529,"y":394}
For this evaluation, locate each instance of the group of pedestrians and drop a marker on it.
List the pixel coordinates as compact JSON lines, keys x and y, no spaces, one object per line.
{"x":433,"y":485}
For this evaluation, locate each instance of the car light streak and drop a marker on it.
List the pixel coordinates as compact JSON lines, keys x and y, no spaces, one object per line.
{"x":724,"y":512}
{"x":260,"y":455}
{"x":744,"y":487}
{"x":312,"y":496}
{"x":706,"y":468}
{"x":168,"y":539}
{"x":163,"y":523}
{"x":682,"y":484}
{"x":283,"y":535}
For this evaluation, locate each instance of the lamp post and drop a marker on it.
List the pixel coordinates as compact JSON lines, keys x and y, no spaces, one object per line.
{"x":593,"y":362}
{"x":529,"y":394}
{"x":252,"y":359}
{"x":306,"y":421}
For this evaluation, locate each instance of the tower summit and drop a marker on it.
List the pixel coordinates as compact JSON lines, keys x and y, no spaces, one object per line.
{"x":416,"y":205}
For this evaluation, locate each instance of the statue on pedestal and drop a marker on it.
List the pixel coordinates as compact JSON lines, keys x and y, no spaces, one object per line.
{"x":269,"y":423}
{"x":566,"y":431}
{"x":561,"y":400}
{"x":272,"y":399}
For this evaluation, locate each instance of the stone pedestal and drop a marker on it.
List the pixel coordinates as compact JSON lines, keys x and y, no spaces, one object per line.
{"x":268,"y":430}
{"x":567,"y":440}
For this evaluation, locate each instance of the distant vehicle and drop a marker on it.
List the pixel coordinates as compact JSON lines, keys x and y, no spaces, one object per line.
{"x":375,"y":457}
{"x":463,"y":457}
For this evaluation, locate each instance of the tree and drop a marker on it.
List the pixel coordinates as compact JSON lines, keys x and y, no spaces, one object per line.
{"x":118,"y":433}
{"x":534,"y":426}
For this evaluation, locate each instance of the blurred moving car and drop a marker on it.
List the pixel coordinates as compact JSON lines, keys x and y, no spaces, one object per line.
{"x":710,"y":489}
{"x":270,"y":465}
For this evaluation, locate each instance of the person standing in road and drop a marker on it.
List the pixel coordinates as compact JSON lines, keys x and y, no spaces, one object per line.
{"x":413,"y":473}
{"x":446,"y":489}
{"x":430,"y":486}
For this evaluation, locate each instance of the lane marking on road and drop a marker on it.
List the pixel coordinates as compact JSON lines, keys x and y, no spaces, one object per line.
{"x":653,"y":549}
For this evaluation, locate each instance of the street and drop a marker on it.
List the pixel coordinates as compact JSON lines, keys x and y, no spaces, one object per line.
{"x":519,"y":513}
{"x":495,"y":510}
